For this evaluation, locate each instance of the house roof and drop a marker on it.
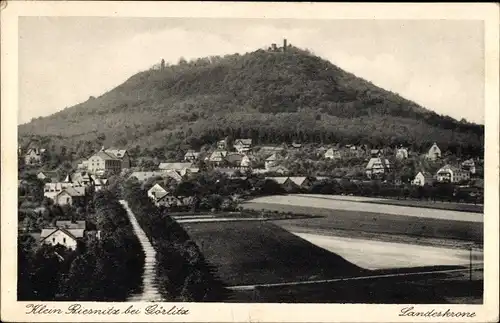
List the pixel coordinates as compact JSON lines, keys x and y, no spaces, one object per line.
{"x":174,"y":166}
{"x":191,"y":153}
{"x":143,"y":175}
{"x":117,"y":153}
{"x":36,"y":150}
{"x":244,"y":141}
{"x":218,"y":154}
{"x":377,"y":160}
{"x":105,"y":156}
{"x":70,"y":224}
{"x":49,"y":174}
{"x":298,"y":180}
{"x":72,"y":233}
{"x":427,"y":175}
{"x":74,"y":191}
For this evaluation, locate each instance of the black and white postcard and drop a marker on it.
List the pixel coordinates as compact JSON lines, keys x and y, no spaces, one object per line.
{"x":244,"y":162}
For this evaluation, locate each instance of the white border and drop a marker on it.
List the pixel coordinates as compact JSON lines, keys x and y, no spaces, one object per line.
{"x":201,"y":312}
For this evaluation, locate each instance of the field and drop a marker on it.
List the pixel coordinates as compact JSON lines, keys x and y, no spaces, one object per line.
{"x":438,"y":205}
{"x":259,"y":252}
{"x":366,"y":224}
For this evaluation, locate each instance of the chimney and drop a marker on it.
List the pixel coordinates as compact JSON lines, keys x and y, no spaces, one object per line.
{"x":284,"y":45}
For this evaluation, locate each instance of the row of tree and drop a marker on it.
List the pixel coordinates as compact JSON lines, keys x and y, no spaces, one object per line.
{"x":182,"y":272}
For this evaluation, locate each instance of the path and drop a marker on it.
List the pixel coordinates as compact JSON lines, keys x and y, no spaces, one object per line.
{"x":149,"y":291}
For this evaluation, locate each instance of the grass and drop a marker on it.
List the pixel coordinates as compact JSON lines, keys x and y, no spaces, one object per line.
{"x":260,"y":252}
{"x":459,"y":207}
{"x":370,"y":222}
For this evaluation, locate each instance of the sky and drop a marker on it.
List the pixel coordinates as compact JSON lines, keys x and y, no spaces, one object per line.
{"x":64,"y":60}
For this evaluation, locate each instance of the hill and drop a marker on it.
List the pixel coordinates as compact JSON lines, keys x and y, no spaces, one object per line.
{"x":270,"y":96}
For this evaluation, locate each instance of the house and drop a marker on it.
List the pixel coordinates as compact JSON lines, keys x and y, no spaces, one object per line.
{"x":62,"y":236}
{"x":469,"y":165}
{"x":33,"y":156}
{"x":120,"y":154}
{"x":102,"y":161}
{"x":333,"y":153}
{"x":434,"y":152}
{"x":222,"y":144}
{"x":422,"y":178}
{"x":377,"y":166}
{"x":217,"y":157}
{"x":174,"y":166}
{"x":50,"y":176}
{"x":402,"y":153}
{"x":271,"y":161}
{"x":191,"y":155}
{"x":156,"y":192}
{"x":70,"y":196}
{"x":290,"y":183}
{"x":186,"y":171}
{"x":242,"y":145}
{"x":100,"y":183}
{"x":81,"y":177}
{"x":452,"y":174}
{"x":84,"y":165}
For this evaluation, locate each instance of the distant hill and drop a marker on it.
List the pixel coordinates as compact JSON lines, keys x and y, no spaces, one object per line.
{"x":270,"y":96}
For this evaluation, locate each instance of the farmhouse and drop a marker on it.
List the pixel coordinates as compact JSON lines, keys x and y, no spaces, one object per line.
{"x":377,"y":166}
{"x":33,"y":156}
{"x":242,"y":145}
{"x":422,"y":178}
{"x":65,"y":237}
{"x":434,"y":152}
{"x":452,"y":174}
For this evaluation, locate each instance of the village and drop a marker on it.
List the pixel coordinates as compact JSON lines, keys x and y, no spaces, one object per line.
{"x":238,"y":161}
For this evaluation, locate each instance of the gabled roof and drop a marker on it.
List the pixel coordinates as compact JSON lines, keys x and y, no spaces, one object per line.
{"x":427,"y":175}
{"x":191,"y":153}
{"x":72,"y":233}
{"x":49,"y":174}
{"x":37,"y":151}
{"x":377,"y":160}
{"x":116,"y":153}
{"x":244,"y":141}
{"x":218,"y":154}
{"x":298,"y":180}
{"x":74,"y":191}
{"x":104,"y":155}
{"x":174,"y":166}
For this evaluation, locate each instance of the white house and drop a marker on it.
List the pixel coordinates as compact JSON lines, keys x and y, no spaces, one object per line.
{"x":332,"y":153}
{"x":434,"y":152}
{"x":191,"y":155}
{"x":65,"y":237}
{"x":452,"y":174}
{"x":422,"y":178}
{"x":218,"y":157}
{"x":102,"y":161}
